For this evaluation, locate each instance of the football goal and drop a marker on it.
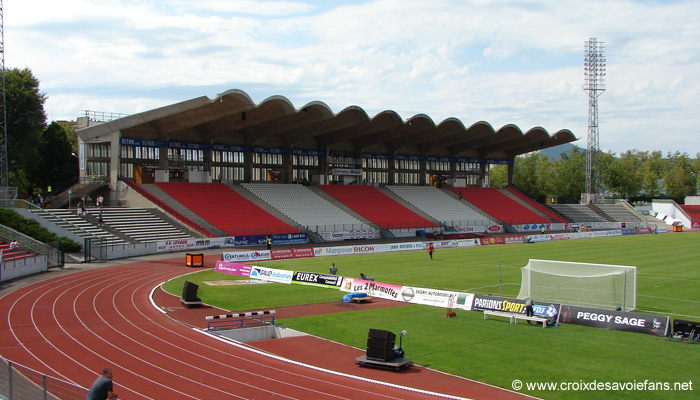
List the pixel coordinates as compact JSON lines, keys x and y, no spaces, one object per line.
{"x":580,"y":284}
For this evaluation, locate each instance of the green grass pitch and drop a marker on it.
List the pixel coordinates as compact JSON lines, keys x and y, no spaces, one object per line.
{"x":494,"y":351}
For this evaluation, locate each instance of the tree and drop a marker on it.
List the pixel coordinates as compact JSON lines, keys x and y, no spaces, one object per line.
{"x":26,"y":120}
{"x":525,"y":173}
{"x":58,"y":165}
{"x":621,"y":175}
{"x":499,"y":176}
{"x":570,"y":177}
{"x":679,"y":178}
{"x":652,"y":169}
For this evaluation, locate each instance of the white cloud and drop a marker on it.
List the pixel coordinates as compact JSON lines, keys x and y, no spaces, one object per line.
{"x":498,"y":61}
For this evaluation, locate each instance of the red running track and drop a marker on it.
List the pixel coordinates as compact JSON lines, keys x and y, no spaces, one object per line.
{"x":73,"y":326}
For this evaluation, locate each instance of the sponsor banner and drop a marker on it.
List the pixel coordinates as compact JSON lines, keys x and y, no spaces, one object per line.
{"x":561,"y":236}
{"x":278,"y":254}
{"x":440,"y":244}
{"x":340,"y":250}
{"x":516,"y":306}
{"x":606,"y":233}
{"x":347,"y":171}
{"x":276,"y":239}
{"x":194,"y":244}
{"x":271,"y":275}
{"x":373,"y":289}
{"x":465,"y":242}
{"x":558,"y":226}
{"x":337,"y":236}
{"x":233,"y":268}
{"x":503,"y":240}
{"x":617,"y":320}
{"x":316,"y":279}
{"x":695,"y":224}
{"x":480,"y":229}
{"x":437,"y":298}
{"x":406,"y":246}
{"x":538,"y":238}
{"x":254,"y":255}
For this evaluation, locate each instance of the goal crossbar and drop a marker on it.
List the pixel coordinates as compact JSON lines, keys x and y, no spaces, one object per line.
{"x":583,"y":284}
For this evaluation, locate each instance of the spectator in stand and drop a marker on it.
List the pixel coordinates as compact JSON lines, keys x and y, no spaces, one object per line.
{"x":14,"y":245}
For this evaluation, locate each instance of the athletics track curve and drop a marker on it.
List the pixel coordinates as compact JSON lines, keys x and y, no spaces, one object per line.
{"x":74,"y":325}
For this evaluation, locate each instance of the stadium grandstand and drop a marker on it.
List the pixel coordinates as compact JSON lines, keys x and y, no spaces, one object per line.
{"x":228,"y":168}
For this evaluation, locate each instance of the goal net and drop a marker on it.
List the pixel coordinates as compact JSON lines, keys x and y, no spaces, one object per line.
{"x":580,"y":284}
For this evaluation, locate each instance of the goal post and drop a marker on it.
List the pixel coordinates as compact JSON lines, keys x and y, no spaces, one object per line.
{"x":582,"y":284}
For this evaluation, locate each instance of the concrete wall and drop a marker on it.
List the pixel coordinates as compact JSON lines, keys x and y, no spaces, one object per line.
{"x":692,"y":201}
{"x":22,"y":267}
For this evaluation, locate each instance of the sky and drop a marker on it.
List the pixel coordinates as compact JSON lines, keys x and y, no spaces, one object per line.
{"x":500,"y":61}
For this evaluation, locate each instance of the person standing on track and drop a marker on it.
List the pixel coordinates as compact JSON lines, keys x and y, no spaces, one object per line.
{"x":102,"y":388}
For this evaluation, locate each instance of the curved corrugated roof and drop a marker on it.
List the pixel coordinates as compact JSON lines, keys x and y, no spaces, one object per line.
{"x":232,"y":118}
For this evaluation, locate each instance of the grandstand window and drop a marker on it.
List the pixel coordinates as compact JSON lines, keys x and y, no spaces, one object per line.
{"x":229,"y":173}
{"x":464,"y":166}
{"x":126,"y":170}
{"x":438,"y":166}
{"x":408,"y":164}
{"x":300,"y":174}
{"x":305,"y":160}
{"x":97,"y":168}
{"x":409,"y":178}
{"x":265,"y":158}
{"x":370,"y":177}
{"x":98,"y":150}
{"x":375,"y":163}
{"x":259,"y":174}
{"x":231,"y":157}
{"x":127,"y":152}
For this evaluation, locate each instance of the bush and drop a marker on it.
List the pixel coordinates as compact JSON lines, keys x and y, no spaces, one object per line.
{"x":32,"y":229}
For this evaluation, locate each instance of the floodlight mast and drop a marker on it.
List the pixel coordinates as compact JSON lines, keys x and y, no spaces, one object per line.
{"x":4,"y":179}
{"x":594,"y":85}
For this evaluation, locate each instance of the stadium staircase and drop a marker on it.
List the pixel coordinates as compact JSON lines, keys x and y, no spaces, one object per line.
{"x":182,"y":214}
{"x":616,"y":213}
{"x":578,"y":212}
{"x":377,"y":207}
{"x":225,"y":209}
{"x":141,"y":224}
{"x":77,"y":192}
{"x":537,"y":207}
{"x":81,"y":226}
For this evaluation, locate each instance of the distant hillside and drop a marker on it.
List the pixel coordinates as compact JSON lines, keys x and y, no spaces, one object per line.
{"x":554,"y":153}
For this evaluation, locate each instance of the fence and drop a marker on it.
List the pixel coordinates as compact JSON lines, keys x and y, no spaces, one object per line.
{"x":242,"y":320}
{"x":20,"y":382}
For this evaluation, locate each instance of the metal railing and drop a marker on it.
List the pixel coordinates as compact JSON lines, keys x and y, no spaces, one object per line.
{"x":20,"y":382}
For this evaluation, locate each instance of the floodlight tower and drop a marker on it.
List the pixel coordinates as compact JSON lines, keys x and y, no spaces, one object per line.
{"x":4,"y":179}
{"x":594,"y":85}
